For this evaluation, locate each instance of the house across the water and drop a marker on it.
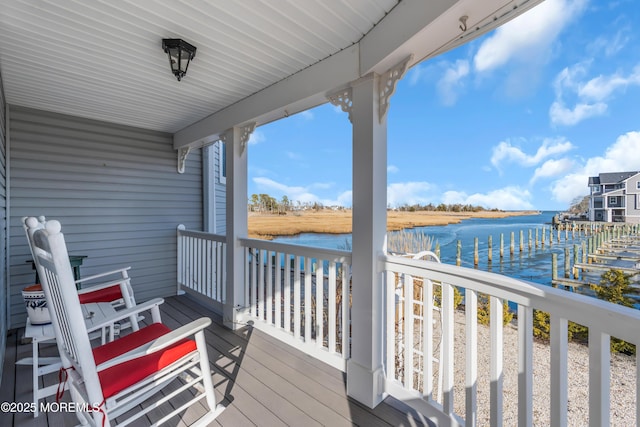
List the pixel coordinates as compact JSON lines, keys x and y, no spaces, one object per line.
{"x":615,"y":197}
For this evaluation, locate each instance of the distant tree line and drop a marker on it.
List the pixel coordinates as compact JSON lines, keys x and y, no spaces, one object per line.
{"x":266,"y":204}
{"x":442,"y":208}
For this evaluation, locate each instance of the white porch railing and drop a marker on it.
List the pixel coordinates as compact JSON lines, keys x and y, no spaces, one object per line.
{"x":201,"y":264}
{"x":301,"y":295}
{"x":428,"y":364}
{"x":414,"y":334}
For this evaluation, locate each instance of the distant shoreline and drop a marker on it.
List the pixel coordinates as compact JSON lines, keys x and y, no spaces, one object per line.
{"x":269,"y":226}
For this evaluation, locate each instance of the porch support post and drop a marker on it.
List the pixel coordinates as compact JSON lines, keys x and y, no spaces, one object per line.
{"x":236,"y":224}
{"x":365,"y":376}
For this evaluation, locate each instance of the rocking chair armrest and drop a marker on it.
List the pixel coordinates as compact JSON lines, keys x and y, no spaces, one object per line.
{"x":107,"y":273}
{"x":102,"y":286}
{"x":127,"y":313}
{"x":190,"y":329}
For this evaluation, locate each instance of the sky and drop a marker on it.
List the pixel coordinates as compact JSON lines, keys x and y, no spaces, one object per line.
{"x":517,"y":119}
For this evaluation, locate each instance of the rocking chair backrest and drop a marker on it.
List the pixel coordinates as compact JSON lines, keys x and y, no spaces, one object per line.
{"x":60,"y":291}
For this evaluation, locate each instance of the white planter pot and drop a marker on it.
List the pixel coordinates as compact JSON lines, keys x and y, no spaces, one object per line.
{"x":36,"y":305}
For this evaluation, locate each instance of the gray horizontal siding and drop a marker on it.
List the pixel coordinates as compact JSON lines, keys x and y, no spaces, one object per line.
{"x":116,"y":191}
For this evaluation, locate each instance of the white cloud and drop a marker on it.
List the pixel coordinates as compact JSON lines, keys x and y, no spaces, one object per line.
{"x":392,"y":169}
{"x":409,"y":193}
{"x":306,"y":114}
{"x":452,"y":81}
{"x":529,"y":36}
{"x":602,"y":87}
{"x":506,"y":152}
{"x":622,"y":156}
{"x":611,"y":45}
{"x":552,"y":168}
{"x":508,"y":198}
{"x":562,"y":115}
{"x":344,"y":199}
{"x":294,"y":193}
{"x":590,"y":94}
{"x":256,"y":137}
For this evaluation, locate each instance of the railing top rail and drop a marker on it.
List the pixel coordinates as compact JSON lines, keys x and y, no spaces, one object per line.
{"x":335,"y":255}
{"x":203,"y":235}
{"x":619,"y":321}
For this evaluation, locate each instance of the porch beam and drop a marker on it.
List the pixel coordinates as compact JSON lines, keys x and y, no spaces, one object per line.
{"x":301,"y":91}
{"x":236,"y":225}
{"x":365,"y":374}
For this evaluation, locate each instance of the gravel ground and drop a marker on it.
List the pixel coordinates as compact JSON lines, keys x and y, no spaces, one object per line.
{"x":623,"y":381}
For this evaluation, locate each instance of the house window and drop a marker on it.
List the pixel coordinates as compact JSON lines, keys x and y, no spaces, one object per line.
{"x":222,"y":156}
{"x":638,"y":185}
{"x":613,"y":201}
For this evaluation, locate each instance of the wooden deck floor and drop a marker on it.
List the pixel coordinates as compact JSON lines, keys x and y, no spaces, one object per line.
{"x":262,"y":381}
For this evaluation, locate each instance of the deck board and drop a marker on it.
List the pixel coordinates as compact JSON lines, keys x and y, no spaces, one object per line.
{"x":261,"y":380}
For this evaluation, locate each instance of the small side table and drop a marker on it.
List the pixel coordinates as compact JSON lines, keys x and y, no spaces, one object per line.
{"x":93,"y":313}
{"x":74,"y":260}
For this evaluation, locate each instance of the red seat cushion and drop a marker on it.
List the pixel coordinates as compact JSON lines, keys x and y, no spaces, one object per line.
{"x":119,"y":377}
{"x":112,"y":293}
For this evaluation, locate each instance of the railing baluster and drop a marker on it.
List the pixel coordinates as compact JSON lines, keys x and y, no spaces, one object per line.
{"x":261,"y":267}
{"x":269,"y":285}
{"x":407,"y":334}
{"x":390,"y":283}
{"x":307,"y":299}
{"x":331,"y":308}
{"x":447,"y":344}
{"x":277,"y":296}
{"x":209,"y":262}
{"x":287,"y":291}
{"x":471,"y":359}
{"x":296,"y":296}
{"x":320,"y":303}
{"x":428,"y":308}
{"x":345,"y":326}
{"x":559,"y":390}
{"x":525,"y":366}
{"x":599,"y":377}
{"x":254,"y":282}
{"x":496,"y":371}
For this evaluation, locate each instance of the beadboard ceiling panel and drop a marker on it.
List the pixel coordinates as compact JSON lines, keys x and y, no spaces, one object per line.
{"x":103,"y":59}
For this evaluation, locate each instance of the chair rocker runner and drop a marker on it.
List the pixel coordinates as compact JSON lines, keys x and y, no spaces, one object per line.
{"x":111,"y":379}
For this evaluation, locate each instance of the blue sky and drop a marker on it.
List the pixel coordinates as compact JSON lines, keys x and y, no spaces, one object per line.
{"x":517,"y":119}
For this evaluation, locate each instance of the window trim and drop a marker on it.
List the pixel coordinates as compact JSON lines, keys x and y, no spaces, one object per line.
{"x":222,"y":167}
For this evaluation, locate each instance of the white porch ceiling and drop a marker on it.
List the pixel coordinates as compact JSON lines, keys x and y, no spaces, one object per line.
{"x":103,"y":59}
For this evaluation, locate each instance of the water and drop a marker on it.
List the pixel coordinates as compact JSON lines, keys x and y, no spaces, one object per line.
{"x":532,"y":265}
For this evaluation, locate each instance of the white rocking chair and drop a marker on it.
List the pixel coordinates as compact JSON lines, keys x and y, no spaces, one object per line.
{"x":109,"y":380}
{"x":116,"y":290}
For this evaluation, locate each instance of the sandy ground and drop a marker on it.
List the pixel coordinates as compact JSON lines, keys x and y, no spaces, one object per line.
{"x":267,"y":226}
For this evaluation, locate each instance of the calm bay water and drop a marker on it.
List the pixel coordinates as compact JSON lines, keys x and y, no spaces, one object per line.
{"x":532,"y":265}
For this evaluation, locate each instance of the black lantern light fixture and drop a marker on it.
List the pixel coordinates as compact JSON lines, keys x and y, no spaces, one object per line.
{"x":180,"y":54}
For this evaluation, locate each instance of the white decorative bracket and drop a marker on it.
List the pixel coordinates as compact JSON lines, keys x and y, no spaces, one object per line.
{"x":343,"y":100}
{"x":387,"y":85}
{"x":182,"y":158}
{"x":245,"y":135}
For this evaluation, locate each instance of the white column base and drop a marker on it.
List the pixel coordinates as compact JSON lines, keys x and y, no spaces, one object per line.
{"x":366,"y":386}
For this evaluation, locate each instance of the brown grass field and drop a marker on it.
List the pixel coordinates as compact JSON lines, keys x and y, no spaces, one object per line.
{"x":268,"y":226}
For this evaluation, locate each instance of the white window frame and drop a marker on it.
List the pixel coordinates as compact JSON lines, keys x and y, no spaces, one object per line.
{"x":222,"y":168}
